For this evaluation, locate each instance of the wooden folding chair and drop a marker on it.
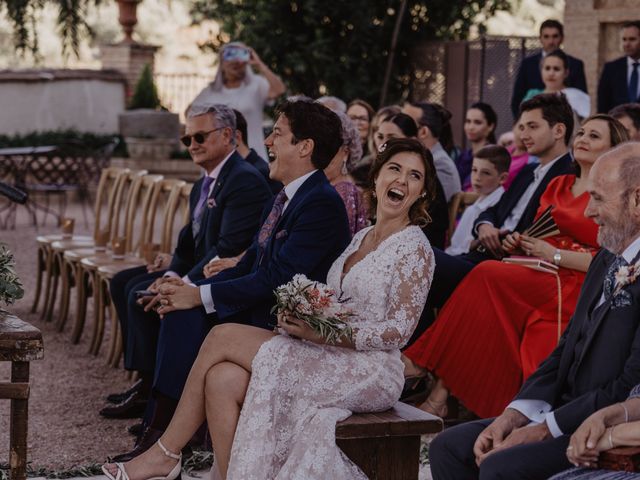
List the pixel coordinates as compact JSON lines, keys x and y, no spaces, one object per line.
{"x":103,"y":206}
{"x":125,"y":195}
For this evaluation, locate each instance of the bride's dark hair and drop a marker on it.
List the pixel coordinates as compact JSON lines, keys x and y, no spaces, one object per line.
{"x":418,"y":213}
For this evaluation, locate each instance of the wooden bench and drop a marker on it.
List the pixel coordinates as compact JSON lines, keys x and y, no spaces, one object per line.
{"x":386,"y":445}
{"x":19,"y":344}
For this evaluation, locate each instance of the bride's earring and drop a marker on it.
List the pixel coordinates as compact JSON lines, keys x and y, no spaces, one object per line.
{"x":344,"y":168}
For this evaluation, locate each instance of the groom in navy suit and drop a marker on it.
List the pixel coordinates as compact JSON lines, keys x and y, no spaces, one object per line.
{"x":595,"y":364}
{"x":304,"y":230}
{"x":620,"y":82}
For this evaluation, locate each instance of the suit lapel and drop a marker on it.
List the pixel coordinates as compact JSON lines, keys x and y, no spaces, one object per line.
{"x":595,"y":315}
{"x":215,"y":191}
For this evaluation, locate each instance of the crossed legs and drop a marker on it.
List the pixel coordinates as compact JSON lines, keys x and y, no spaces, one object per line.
{"x":214,"y":390}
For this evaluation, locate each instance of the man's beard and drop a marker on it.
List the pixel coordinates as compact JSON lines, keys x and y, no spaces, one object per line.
{"x":617,"y":235}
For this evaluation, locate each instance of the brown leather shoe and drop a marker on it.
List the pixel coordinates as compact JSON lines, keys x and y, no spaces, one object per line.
{"x":132,"y":407}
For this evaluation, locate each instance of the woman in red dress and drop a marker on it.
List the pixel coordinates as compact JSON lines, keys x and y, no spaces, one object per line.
{"x":504,"y":319}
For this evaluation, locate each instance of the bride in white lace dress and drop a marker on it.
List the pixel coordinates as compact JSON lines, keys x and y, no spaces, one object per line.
{"x":272,"y":400}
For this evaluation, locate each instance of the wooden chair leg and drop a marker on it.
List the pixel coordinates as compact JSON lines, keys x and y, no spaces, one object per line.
{"x":98,"y":315}
{"x":41,"y":263}
{"x":82,"y":293}
{"x":48,"y":280}
{"x":115,"y":342}
{"x":56,"y":267}
{"x":117,"y":354}
{"x":67,"y":283}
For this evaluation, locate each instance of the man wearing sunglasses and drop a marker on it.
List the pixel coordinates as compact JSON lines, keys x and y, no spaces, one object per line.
{"x":304,"y":230}
{"x":225,"y":208}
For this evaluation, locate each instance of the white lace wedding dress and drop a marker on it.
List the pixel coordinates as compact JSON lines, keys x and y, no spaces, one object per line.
{"x":299,"y":390}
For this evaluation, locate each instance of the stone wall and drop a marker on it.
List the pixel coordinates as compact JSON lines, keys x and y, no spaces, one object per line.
{"x":592,"y":33}
{"x":56,"y":99}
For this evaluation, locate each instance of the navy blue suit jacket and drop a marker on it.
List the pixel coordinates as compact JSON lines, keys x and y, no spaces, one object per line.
{"x":529,"y":77}
{"x":312,"y":232}
{"x":497,"y":214}
{"x":597,"y":361}
{"x":230,"y":221}
{"x":613,"y":89}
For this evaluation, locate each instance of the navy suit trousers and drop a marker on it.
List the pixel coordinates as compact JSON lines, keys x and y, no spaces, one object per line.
{"x":452,"y":458}
{"x":139,"y":329}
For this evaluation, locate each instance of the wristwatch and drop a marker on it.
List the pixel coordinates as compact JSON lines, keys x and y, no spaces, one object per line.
{"x":557,"y":257}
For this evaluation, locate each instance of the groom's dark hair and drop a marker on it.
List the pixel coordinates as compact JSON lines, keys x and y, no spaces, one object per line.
{"x":310,"y":120}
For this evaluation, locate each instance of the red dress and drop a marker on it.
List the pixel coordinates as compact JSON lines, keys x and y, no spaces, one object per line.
{"x":502,"y":320}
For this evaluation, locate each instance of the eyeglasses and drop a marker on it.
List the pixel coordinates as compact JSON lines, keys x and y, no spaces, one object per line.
{"x":357,"y":118}
{"x":198,"y":137}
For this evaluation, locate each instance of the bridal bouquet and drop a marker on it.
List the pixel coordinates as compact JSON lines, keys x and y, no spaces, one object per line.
{"x":317,"y":305}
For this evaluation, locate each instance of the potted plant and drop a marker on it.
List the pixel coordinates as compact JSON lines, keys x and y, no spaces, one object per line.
{"x":10,"y":285}
{"x":149,"y":131}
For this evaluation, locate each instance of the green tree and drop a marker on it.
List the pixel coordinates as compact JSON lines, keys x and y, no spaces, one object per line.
{"x":338,"y":47}
{"x":71,"y":14}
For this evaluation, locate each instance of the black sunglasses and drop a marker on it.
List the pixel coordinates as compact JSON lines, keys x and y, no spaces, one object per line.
{"x":198,"y":137}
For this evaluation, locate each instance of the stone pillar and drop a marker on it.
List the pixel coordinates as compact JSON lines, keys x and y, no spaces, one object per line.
{"x":128,"y":58}
{"x":592,"y":34}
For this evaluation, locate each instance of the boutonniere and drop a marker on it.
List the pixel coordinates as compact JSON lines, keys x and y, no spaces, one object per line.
{"x":211,"y":202}
{"x":626,"y":275}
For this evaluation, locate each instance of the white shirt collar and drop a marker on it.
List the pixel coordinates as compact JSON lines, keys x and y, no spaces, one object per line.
{"x":632,"y":250}
{"x":216,"y":171}
{"x":292,"y":187}
{"x":541,"y":170}
{"x":489,"y":200}
{"x":631,"y":61}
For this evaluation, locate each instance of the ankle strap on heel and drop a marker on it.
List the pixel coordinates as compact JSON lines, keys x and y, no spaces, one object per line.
{"x":168,"y":453}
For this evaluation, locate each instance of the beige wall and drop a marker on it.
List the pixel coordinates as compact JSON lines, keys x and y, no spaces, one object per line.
{"x":86,"y":105}
{"x":592,"y":33}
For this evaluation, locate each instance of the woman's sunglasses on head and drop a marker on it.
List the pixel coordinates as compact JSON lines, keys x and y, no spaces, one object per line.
{"x":198,"y":137}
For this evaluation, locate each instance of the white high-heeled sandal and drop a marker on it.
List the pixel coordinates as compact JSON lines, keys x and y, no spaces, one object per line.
{"x":173,"y":474}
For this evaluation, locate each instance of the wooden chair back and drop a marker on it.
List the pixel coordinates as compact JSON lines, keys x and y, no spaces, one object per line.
{"x":125,"y":193}
{"x":458,"y":203}
{"x":163,"y":206}
{"x":109,"y":183}
{"x":140,"y":201}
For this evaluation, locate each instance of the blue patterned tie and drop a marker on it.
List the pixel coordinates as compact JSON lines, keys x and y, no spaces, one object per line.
{"x":198,"y":212}
{"x":274,"y":215}
{"x":610,"y":279}
{"x":633,"y":83}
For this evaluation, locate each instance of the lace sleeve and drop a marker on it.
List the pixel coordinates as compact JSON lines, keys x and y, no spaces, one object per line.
{"x":410,"y":281}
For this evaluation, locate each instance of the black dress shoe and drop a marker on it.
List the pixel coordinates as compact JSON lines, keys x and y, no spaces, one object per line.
{"x":132,"y":407}
{"x":146,"y":441}
{"x":136,"y":429}
{"x":117,"y":398}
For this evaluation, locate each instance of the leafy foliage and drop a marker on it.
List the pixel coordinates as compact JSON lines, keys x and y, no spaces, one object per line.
{"x":340,"y":48}
{"x":146,"y":93}
{"x":71,"y":23}
{"x":10,"y":285}
{"x":90,"y":141}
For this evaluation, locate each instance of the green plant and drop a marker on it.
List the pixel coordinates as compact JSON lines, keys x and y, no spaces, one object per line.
{"x":10,"y":285}
{"x":90,"y":141}
{"x":146,"y":94}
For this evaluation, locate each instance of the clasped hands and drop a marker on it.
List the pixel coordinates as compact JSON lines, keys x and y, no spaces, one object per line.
{"x":171,"y":294}
{"x":588,"y":441}
{"x":508,"y":430}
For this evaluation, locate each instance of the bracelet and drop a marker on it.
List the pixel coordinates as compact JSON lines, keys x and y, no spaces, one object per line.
{"x":557,"y":257}
{"x":610,"y":439}
{"x":626,"y":412}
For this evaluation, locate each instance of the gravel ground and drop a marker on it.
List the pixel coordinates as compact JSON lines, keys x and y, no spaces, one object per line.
{"x":69,"y":384}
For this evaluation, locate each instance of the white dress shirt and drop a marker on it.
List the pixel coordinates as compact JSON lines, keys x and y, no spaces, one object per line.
{"x":463,"y":234}
{"x":290,"y":189}
{"x":213,"y":174}
{"x":539,"y":411}
{"x":512,"y":220}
